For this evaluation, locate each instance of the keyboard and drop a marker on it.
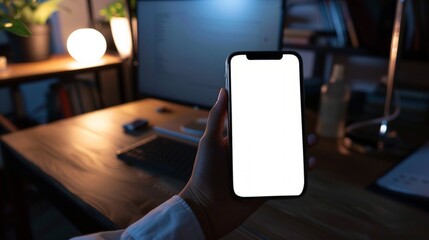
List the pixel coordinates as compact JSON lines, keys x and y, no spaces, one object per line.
{"x":166,"y":156}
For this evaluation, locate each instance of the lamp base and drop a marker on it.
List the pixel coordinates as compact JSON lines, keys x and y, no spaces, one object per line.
{"x":376,"y":140}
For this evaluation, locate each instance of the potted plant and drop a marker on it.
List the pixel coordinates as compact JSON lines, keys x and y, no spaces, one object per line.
{"x":26,"y":24}
{"x":116,"y":14}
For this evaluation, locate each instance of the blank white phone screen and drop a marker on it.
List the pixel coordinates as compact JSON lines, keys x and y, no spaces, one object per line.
{"x":267,"y":140}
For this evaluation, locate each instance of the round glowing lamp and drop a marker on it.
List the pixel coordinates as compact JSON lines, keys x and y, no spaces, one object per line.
{"x":86,"y":45}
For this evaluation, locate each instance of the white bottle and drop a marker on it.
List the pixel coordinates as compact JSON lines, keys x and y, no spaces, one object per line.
{"x":335,"y":96}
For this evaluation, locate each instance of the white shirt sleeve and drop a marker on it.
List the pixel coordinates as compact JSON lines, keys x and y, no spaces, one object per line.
{"x":173,"y":219}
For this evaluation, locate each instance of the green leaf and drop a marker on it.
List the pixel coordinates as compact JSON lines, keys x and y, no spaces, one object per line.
{"x":19,"y":3}
{"x":16,"y":27}
{"x":45,"y":10}
{"x":114,"y":9}
{"x":26,"y":14}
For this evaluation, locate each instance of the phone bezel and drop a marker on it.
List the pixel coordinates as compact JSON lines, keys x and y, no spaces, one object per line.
{"x":266,"y":55}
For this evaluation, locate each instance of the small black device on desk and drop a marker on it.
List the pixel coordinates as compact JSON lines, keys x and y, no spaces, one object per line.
{"x":170,"y":157}
{"x":136,"y":127}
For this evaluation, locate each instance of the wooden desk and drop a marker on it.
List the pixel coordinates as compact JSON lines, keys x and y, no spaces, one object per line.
{"x":74,"y":161}
{"x":56,"y":66}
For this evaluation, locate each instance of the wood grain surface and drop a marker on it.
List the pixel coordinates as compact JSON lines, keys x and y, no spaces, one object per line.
{"x":79,"y":157}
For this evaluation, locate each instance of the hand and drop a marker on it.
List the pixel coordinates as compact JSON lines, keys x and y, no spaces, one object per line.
{"x":209,"y":191}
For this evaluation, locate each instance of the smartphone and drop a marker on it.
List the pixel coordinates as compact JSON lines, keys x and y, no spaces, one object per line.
{"x":266,"y":124}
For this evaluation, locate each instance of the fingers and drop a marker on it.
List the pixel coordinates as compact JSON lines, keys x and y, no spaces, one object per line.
{"x":215,"y":123}
{"x":312,"y":162}
{"x":226,"y":141}
{"x":312,"y":140}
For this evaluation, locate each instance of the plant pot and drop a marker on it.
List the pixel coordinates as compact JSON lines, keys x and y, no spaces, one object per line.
{"x":31,"y":49}
{"x":121,"y":33}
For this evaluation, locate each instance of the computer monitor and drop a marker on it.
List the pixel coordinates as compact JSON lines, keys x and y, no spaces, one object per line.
{"x":183,"y":44}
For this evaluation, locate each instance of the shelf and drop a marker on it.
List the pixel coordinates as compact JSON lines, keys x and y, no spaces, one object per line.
{"x":55,"y":65}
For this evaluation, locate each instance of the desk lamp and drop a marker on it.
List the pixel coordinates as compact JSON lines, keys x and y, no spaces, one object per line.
{"x":86,"y":45}
{"x":382,"y":139}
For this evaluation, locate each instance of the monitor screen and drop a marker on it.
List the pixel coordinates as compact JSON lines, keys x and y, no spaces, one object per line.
{"x":183,"y":44}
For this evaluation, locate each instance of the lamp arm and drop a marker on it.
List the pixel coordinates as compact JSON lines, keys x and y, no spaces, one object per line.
{"x":393,"y":59}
